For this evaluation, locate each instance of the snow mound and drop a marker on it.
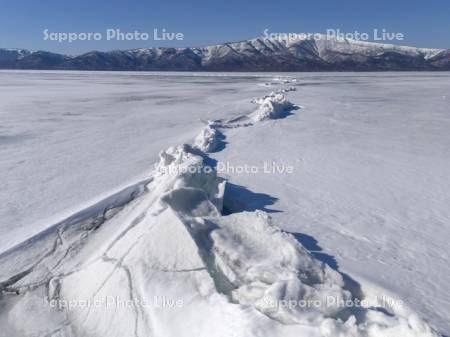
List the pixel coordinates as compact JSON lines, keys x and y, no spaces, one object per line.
{"x":182,"y":173}
{"x":272,"y":106}
{"x":137,"y":273}
{"x":276,"y":81}
{"x":284,"y":79}
{"x":288,"y":89}
{"x":268,"y":267}
{"x":209,"y":138}
{"x":263,"y":268}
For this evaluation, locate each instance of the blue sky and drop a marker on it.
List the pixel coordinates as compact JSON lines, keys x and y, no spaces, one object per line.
{"x":424,"y":24}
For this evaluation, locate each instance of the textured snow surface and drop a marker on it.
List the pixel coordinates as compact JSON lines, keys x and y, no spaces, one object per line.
{"x":272,"y":106}
{"x":70,"y":139}
{"x":370,"y":189}
{"x":161,"y":258}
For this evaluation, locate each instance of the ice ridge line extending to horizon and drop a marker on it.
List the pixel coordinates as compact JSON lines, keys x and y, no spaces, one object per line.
{"x":166,"y":247}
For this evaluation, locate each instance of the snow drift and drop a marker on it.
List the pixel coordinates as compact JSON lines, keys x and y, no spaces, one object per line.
{"x":209,"y":138}
{"x":273,"y":106}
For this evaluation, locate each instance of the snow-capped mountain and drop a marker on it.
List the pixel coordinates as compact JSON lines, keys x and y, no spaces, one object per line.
{"x":260,"y":54}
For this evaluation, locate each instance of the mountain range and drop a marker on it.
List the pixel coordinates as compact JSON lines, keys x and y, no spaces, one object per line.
{"x":260,"y":54}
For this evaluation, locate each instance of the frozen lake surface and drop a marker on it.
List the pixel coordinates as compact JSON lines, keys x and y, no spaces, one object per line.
{"x":368,"y":196}
{"x":70,"y":138}
{"x":370,"y":192}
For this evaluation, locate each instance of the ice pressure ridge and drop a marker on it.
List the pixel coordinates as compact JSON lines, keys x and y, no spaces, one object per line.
{"x":162,"y":260}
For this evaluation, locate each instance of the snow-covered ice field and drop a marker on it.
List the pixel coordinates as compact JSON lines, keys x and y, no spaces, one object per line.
{"x":367,"y":203}
{"x":68,"y":139}
{"x":371,"y":185}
